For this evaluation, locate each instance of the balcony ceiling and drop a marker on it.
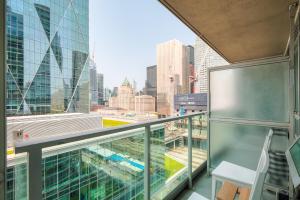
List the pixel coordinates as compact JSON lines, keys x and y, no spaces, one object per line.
{"x":237,"y":29}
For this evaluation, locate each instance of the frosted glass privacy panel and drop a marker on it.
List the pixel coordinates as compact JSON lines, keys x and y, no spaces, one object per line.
{"x":238,"y":144}
{"x":258,"y":91}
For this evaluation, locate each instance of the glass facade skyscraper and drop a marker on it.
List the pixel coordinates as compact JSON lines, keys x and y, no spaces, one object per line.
{"x":205,"y":57}
{"x":47,"y":56}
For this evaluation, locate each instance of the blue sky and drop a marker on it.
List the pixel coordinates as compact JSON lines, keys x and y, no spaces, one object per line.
{"x":125,"y":33}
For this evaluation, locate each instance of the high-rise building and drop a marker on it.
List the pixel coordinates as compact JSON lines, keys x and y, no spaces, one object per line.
{"x":191,"y":66}
{"x":107,"y":94}
{"x":150,"y":83}
{"x":114,"y":92}
{"x":47,"y":57}
{"x":204,"y":57}
{"x":172,"y":74}
{"x":190,"y":53}
{"x":100,"y":91}
{"x":93,"y":84}
{"x":124,"y":98}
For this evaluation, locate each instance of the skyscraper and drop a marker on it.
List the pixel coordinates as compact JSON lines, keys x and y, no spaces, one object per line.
{"x":190,"y":53}
{"x":93,"y":84}
{"x":107,"y":94}
{"x":150,"y":83}
{"x":100,"y":91}
{"x":172,"y":74}
{"x":191,"y":66}
{"x":47,"y":57}
{"x":114,"y":92}
{"x":204,"y":57}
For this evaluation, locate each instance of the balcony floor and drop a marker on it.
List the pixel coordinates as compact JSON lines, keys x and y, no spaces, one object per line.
{"x":202,"y":185}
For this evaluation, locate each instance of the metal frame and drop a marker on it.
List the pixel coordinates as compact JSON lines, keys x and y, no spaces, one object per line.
{"x":190,"y":153}
{"x":147,"y":156}
{"x":2,"y":100}
{"x":252,"y":122}
{"x":293,"y":39}
{"x":261,"y":61}
{"x":292,"y":75}
{"x":208,"y":121}
{"x":34,"y":148}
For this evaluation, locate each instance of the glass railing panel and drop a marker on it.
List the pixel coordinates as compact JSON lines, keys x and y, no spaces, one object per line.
{"x":199,"y":141}
{"x":169,"y":157}
{"x":296,"y":84}
{"x":16,"y":177}
{"x":250,"y":91}
{"x":238,"y":144}
{"x":109,"y":167}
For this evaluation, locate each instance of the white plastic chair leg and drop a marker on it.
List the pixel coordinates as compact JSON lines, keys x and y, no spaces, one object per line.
{"x":213,"y":189}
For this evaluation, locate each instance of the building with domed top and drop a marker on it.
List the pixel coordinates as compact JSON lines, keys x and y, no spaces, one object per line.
{"x":127,"y":100}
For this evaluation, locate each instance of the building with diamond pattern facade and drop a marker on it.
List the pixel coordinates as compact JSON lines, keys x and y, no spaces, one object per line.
{"x":47,"y":57}
{"x":205,"y":57}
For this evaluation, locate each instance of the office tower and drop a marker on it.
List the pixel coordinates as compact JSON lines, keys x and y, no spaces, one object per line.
{"x":191,"y":66}
{"x":47,"y":57}
{"x":114,"y":92}
{"x":205,"y":57}
{"x":124,"y":98}
{"x":172,"y":74}
{"x":150,"y":83}
{"x":93,"y":84}
{"x":190,"y":53}
{"x":100,"y":91}
{"x":107,"y":94}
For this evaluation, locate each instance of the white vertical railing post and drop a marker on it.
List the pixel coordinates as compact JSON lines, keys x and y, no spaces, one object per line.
{"x":2,"y":101}
{"x":190,"y":155}
{"x":147,"y":163}
{"x":35,"y":178}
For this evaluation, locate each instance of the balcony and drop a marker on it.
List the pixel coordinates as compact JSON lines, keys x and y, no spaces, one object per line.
{"x":173,"y":157}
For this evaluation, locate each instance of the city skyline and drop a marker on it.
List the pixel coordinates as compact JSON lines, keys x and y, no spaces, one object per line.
{"x":120,"y":51}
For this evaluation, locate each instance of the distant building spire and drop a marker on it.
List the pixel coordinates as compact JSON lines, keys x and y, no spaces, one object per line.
{"x":126,"y":82}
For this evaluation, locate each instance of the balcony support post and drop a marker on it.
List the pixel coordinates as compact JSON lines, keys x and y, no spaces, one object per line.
{"x":2,"y":101}
{"x":147,"y":163}
{"x":35,"y":173}
{"x":190,"y":155}
{"x":292,"y":8}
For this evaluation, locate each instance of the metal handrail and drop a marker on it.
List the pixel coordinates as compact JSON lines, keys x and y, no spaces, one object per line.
{"x":34,"y":149}
{"x":44,"y":142}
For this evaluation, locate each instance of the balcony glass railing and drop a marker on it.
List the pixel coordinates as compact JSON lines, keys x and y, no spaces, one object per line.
{"x":139,"y":161}
{"x":199,"y":141}
{"x":16,"y":177}
{"x":174,"y":166}
{"x":104,"y":168}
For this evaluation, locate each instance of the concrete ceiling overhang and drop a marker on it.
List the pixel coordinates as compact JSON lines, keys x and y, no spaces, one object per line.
{"x":239,"y":30}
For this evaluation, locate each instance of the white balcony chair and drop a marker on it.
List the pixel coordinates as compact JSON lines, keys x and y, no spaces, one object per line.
{"x":242,"y":176}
